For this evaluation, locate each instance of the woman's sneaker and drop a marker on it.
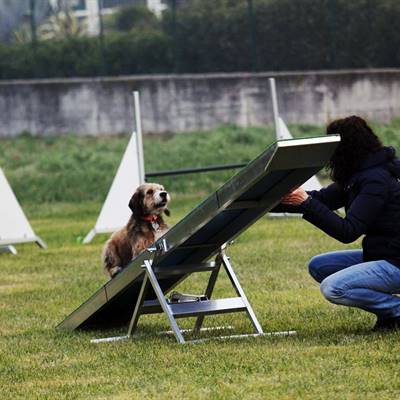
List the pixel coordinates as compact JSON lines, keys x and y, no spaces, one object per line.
{"x":387,"y":324}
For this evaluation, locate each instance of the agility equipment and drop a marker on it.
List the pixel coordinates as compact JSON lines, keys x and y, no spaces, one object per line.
{"x":130,"y":174}
{"x":115,"y":211}
{"x":198,"y":244}
{"x":8,"y":249}
{"x":14,"y":226}
{"x":282,"y":133}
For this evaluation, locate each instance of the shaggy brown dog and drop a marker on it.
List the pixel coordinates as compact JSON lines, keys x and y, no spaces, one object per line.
{"x":144,"y":227}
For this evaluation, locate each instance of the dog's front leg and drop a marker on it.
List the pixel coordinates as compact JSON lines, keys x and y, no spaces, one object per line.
{"x":141,"y":244}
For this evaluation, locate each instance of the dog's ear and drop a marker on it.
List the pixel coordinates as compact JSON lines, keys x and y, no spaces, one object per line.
{"x":136,"y":204}
{"x":167,"y":212}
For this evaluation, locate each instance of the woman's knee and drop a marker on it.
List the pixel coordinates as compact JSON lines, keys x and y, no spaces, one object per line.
{"x":332,"y":290}
{"x":314,"y":267}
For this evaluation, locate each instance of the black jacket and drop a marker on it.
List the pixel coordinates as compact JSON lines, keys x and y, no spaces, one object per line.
{"x":372,"y":203}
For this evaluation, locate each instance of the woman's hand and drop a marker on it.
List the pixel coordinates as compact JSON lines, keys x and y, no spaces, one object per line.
{"x":295,"y":197}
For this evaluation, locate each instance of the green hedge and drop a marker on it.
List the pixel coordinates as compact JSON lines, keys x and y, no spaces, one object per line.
{"x":289,"y":34}
{"x":136,"y":52}
{"x":212,"y":36}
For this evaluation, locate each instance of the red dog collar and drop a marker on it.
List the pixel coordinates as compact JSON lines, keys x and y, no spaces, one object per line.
{"x":151,"y":218}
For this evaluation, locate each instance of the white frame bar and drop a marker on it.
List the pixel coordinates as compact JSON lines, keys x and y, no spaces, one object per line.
{"x":150,"y":279}
{"x":138,"y":122}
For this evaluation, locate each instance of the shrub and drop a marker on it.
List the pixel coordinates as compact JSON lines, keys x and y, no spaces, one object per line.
{"x":136,"y":52}
{"x":130,"y":17}
{"x":289,"y":35}
{"x":212,"y":36}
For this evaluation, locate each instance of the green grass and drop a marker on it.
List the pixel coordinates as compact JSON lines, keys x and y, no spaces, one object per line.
{"x":80,"y":169}
{"x":74,"y":169}
{"x":334,"y":354}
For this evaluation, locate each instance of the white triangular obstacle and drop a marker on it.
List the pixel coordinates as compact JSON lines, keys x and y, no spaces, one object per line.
{"x":282,"y":133}
{"x":115,"y":211}
{"x":14,"y":226}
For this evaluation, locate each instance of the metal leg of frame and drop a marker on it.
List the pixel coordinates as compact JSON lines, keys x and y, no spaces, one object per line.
{"x":136,"y":312}
{"x":135,"y":316}
{"x":236,"y":284}
{"x":139,"y":303}
{"x":208,"y":292}
{"x":163,"y":303}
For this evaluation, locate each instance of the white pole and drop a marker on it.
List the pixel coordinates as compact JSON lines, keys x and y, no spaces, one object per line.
{"x":139,"y":136}
{"x":275,"y":107}
{"x":156,"y":6}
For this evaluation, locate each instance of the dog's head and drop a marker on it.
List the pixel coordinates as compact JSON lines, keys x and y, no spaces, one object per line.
{"x":149,"y":198}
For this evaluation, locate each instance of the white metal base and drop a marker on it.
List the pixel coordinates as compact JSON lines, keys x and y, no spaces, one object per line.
{"x":192,"y":309}
{"x":36,"y":239}
{"x":126,"y":337}
{"x":243,"y":336}
{"x":8,"y":249}
{"x":209,"y":329}
{"x":110,"y":339}
{"x":89,"y":237}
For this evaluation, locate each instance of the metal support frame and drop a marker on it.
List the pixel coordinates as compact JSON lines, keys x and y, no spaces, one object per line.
{"x":192,"y":309}
{"x":208,"y":292}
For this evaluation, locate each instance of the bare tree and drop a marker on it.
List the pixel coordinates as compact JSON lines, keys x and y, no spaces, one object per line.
{"x":61,"y":23}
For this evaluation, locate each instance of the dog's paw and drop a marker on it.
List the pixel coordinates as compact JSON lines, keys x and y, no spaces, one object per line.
{"x":115,"y":271}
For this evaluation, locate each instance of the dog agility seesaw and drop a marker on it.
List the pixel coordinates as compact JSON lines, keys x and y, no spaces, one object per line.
{"x":189,"y":246}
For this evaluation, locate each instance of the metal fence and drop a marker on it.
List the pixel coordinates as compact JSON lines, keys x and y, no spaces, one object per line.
{"x":258,"y":35}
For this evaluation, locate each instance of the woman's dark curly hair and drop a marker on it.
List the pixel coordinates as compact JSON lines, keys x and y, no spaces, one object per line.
{"x":357,"y":142}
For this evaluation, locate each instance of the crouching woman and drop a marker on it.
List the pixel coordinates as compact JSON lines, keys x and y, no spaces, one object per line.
{"x":365,"y":178}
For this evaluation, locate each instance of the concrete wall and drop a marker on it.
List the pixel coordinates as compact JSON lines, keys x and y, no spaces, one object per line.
{"x":173,"y":103}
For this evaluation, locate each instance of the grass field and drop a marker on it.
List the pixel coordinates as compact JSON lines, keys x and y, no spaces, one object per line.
{"x":334,"y":354}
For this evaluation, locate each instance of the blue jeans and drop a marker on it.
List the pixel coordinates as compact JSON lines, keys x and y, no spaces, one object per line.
{"x":347,"y":280}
